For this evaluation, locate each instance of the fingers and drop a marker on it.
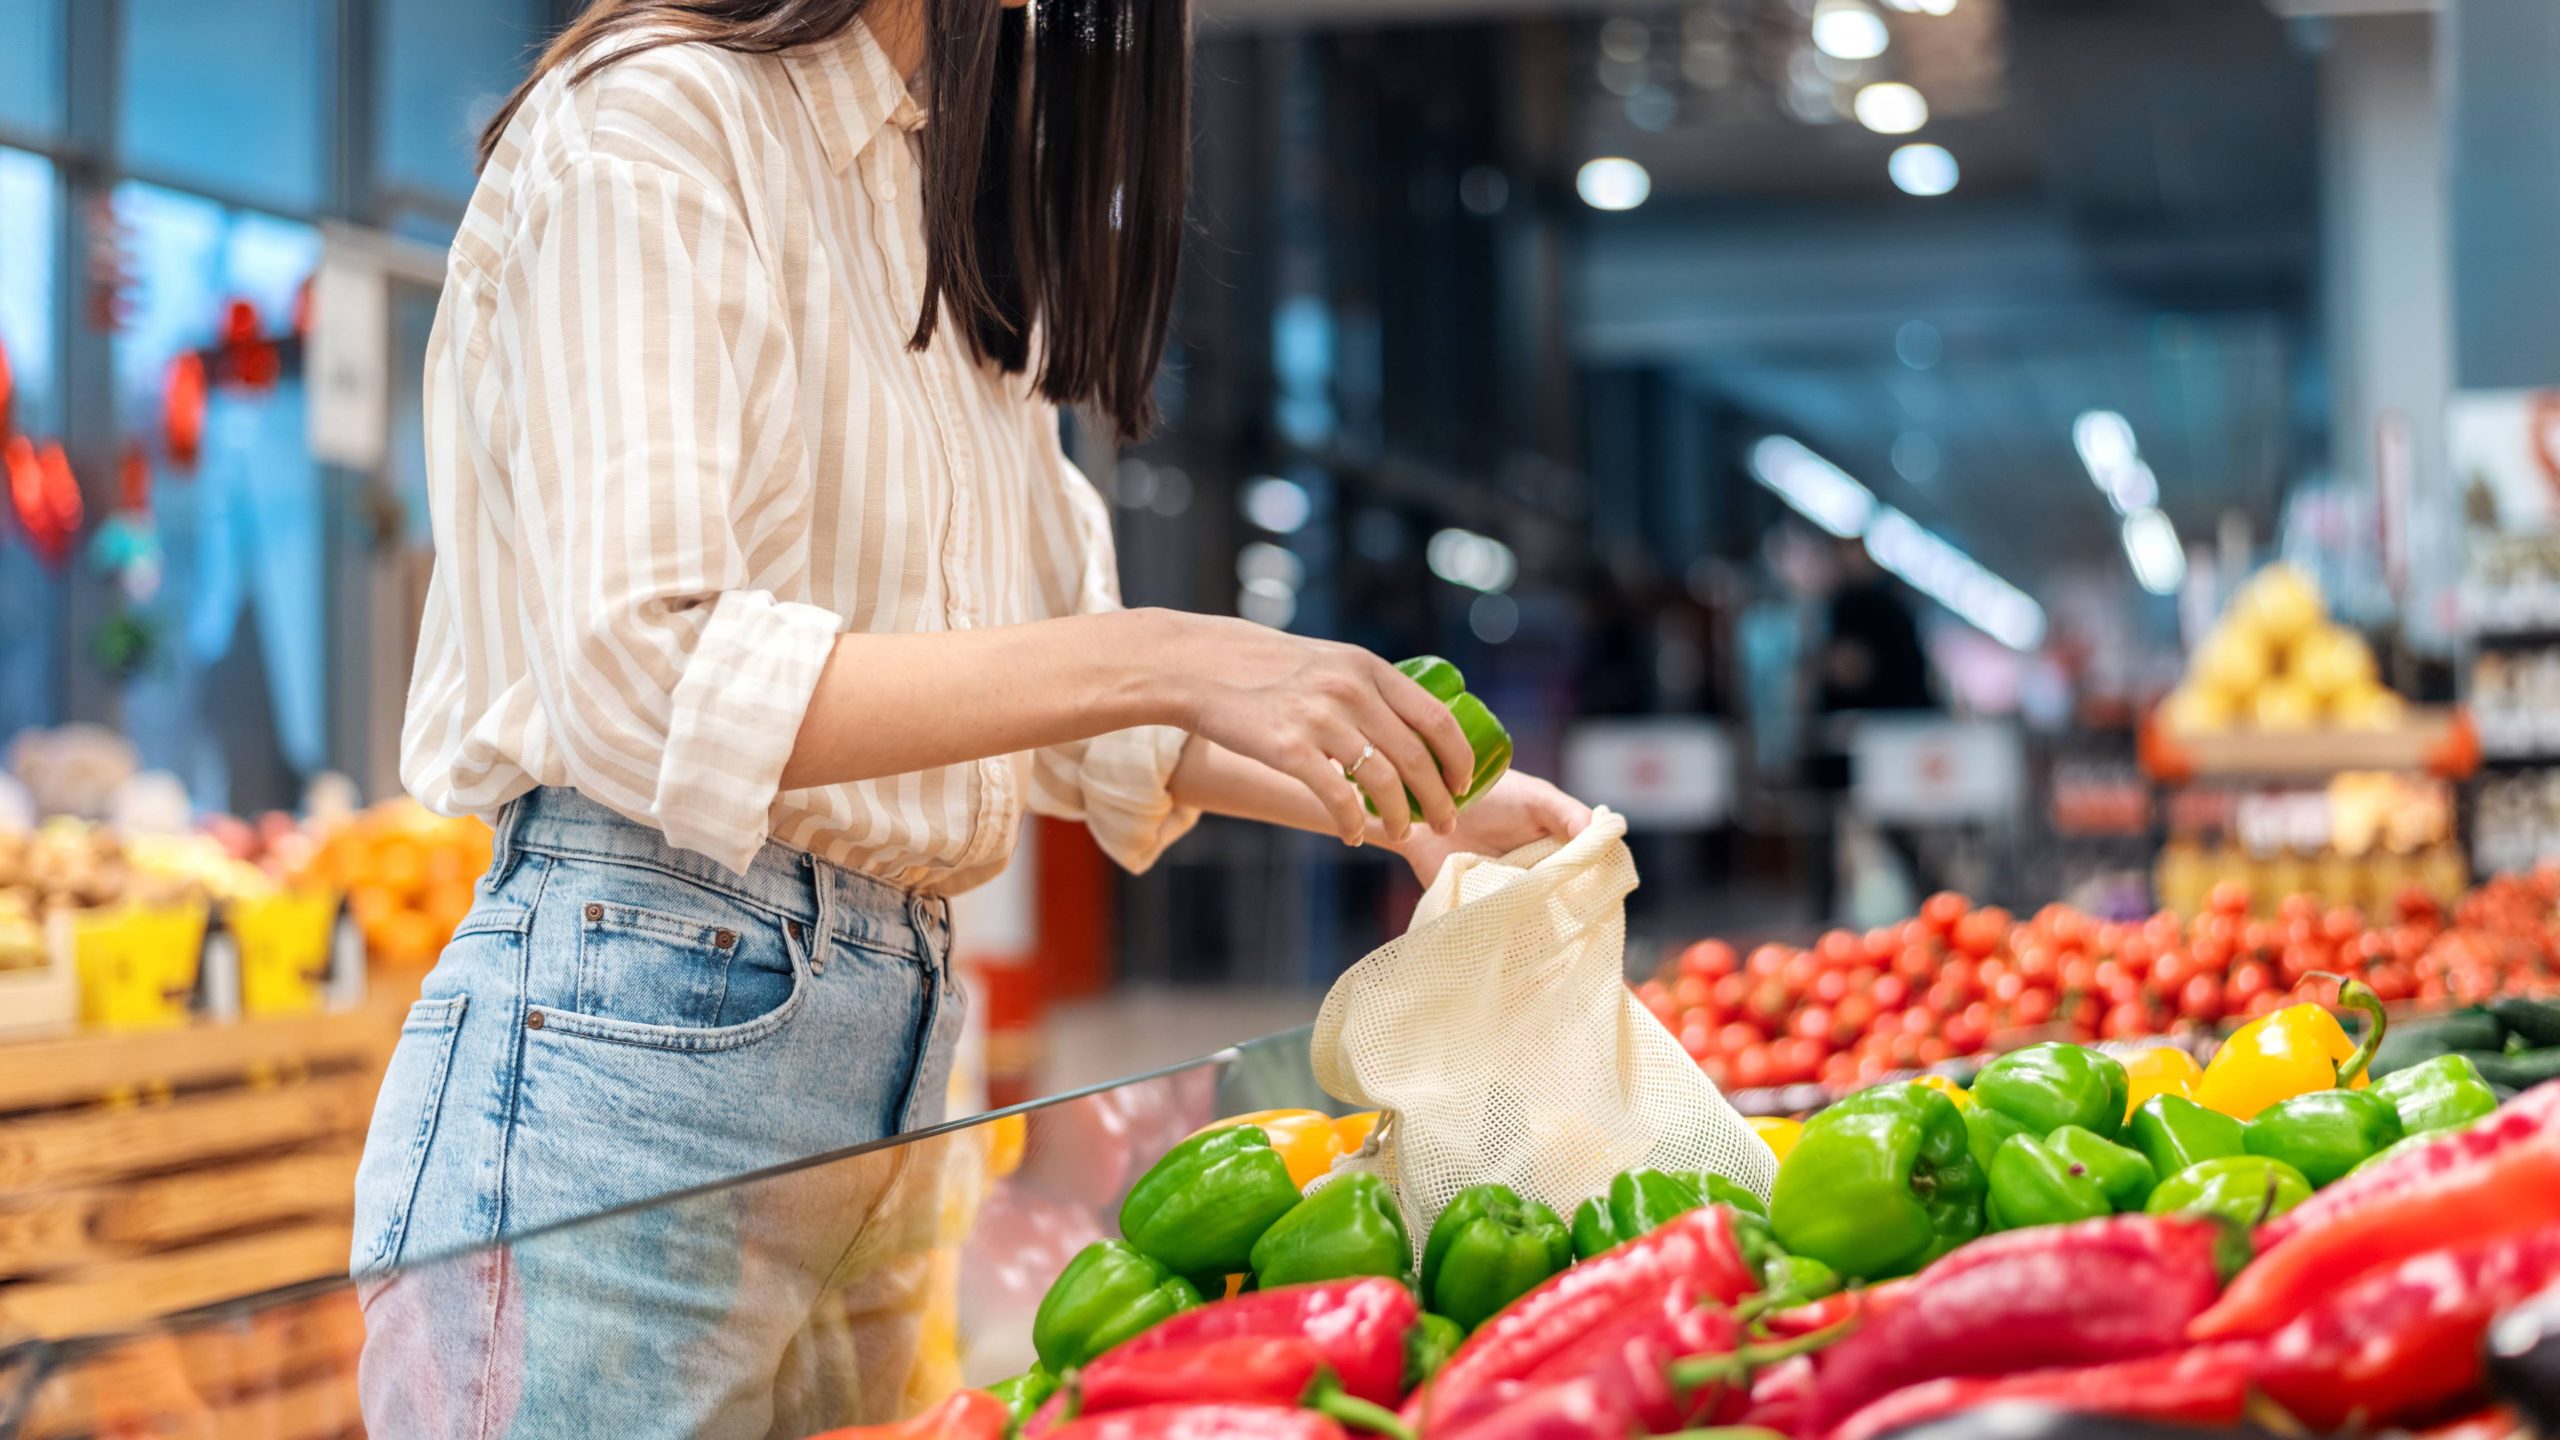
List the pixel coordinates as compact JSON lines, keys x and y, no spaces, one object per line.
{"x":1406,"y":760}
{"x":1431,"y":720}
{"x":1381,"y":782}
{"x":1561,"y":814}
{"x":1310,"y":766}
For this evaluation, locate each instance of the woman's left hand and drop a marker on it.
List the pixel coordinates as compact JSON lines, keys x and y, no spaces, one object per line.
{"x":1518,"y":809}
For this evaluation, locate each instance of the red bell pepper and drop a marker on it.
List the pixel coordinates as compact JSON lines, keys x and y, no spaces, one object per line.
{"x":966,"y":1415}
{"x":1248,"y":1370}
{"x":2506,"y":1192}
{"x":2404,"y":1342}
{"x":2208,"y":1385}
{"x":1697,"y":1248}
{"x":2420,"y":1166}
{"x":2089,"y":1293}
{"x":1579,"y":1410}
{"x":1357,"y":1325}
{"x":1204,"y":1422}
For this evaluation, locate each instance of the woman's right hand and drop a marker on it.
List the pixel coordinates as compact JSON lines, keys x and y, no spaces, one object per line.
{"x":1308,"y":708}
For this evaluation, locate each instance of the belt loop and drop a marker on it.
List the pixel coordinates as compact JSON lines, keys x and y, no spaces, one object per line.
{"x":822,"y":891}
{"x":502,"y":844}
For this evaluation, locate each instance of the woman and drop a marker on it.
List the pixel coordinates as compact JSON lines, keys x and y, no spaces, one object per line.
{"x":765,"y":603}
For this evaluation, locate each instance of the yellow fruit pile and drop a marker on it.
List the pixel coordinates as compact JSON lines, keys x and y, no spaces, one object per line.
{"x":407,"y":875}
{"x":2276,"y":662}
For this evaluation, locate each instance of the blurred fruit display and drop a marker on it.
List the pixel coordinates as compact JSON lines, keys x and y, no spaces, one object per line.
{"x":1958,"y":978}
{"x":407,"y":874}
{"x":2276,"y":662}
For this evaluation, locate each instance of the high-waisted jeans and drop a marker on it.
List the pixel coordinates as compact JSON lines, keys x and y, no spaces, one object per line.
{"x":614,"y":1021}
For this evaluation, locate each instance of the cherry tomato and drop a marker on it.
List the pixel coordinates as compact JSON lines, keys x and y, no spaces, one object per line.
{"x":1708,"y":960}
{"x":1767,"y":960}
{"x":2125,"y":1020}
{"x":2007,"y":990}
{"x":2231,"y":897}
{"x":1729,"y":991}
{"x":1795,"y":1060}
{"x":2201,"y":998}
{"x":2080,"y":974}
{"x":1841,"y":949}
{"x":2037,"y":962}
{"x":1831,"y":987}
{"x":1880,"y":943}
{"x":1698,"y":1040}
{"x":1980,"y":933}
{"x":1933,"y":1050}
{"x":1854,"y":1014}
{"x":1813,"y":1022}
{"x":1734,"y":1038}
{"x":1941,"y":911}
{"x":1800,"y":971}
{"x":1752,"y":1068}
{"x":2249,"y":980}
{"x":1691,"y":993}
{"x":1891,"y":992}
{"x":2034,"y":1007}
{"x":1915,"y":964}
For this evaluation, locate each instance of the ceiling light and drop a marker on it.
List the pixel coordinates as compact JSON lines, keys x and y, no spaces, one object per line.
{"x":1479,"y":562}
{"x":1819,"y":490}
{"x":1956,"y":580}
{"x":1848,"y":30}
{"x":2151,"y":544}
{"x":2105,"y":442}
{"x":1922,"y":170}
{"x":1613,"y":182}
{"x":1263,"y":560}
{"x":1891,"y":108}
{"x":1280,"y":506}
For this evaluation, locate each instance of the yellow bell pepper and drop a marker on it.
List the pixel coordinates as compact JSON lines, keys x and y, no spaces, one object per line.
{"x":1778,"y":1132}
{"x":2292,"y":1051}
{"x":1354,"y":1129}
{"x":2162,"y":1070}
{"x":1306,"y":1139}
{"x":1006,"y":1136}
{"x":1948,"y":1088}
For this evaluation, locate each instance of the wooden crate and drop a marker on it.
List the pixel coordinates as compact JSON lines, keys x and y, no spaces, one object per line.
{"x":284,"y":1372}
{"x":144,"y":1174}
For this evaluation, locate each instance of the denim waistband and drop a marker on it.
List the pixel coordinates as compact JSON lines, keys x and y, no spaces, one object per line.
{"x":794,"y":884}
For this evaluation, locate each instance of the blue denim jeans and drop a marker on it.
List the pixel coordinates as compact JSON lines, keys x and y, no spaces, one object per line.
{"x":614,"y":1021}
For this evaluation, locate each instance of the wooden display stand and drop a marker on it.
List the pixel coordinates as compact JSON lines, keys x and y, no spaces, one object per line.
{"x":147,"y":1173}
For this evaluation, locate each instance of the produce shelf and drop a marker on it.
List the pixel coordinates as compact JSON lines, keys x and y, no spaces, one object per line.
{"x":2439,"y":741}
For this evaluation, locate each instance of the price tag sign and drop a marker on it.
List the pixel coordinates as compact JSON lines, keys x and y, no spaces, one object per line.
{"x":1667,"y":773}
{"x":1927,"y":768}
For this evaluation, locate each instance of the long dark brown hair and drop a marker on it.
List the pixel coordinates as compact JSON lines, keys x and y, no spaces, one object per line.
{"x":1056,"y":165}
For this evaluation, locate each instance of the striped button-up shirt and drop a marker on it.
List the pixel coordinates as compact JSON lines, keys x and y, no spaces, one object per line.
{"x":676,"y":444}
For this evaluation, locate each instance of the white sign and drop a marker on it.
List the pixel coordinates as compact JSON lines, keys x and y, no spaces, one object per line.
{"x":1926,"y":768}
{"x":1672,"y":772}
{"x":2506,"y":444}
{"x":346,"y":365}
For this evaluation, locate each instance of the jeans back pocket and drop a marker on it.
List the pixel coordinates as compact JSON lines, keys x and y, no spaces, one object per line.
{"x":405,"y":1112}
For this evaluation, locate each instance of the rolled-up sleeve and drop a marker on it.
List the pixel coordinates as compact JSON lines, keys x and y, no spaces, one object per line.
{"x":1118,"y":784}
{"x":650,"y":450}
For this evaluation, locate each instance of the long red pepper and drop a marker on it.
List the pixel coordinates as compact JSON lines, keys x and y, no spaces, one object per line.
{"x":2208,"y":1385}
{"x":2089,"y":1293}
{"x":2506,"y":1192}
{"x":1358,"y":1326}
{"x":2420,"y":1166}
{"x":1629,"y":1353}
{"x":966,"y":1415}
{"x":1697,"y":1247}
{"x":2495,"y":1423}
{"x":1580,"y":1410}
{"x":1247,"y":1370}
{"x":2404,"y":1341}
{"x":1830,"y":1310}
{"x":1204,"y":1422}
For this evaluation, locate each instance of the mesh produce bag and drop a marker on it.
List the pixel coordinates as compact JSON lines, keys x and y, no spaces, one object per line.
{"x":1500,"y":1038}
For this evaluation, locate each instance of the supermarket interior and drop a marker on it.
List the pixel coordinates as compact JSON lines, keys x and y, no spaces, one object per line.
{"x":2034,"y":524}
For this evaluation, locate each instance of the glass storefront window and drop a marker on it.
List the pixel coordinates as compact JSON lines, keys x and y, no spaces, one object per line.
{"x":255,"y":63}
{"x":30,"y":201}
{"x":444,"y":70}
{"x":31,"y":66}
{"x":234,"y":698}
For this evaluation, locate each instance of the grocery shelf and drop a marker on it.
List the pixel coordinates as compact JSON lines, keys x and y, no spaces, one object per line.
{"x":2437,"y":740}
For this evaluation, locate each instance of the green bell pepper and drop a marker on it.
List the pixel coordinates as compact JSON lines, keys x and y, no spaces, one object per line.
{"x":2123,"y":1175}
{"x":1485,"y":735}
{"x":2323,"y":1133}
{"x":2174,"y":1132}
{"x":1024,"y":1394}
{"x":1880,"y":1184}
{"x":1107,"y":1293}
{"x":2032,"y":1184}
{"x":1638,"y":1201}
{"x":2247,"y":1190}
{"x":1985,"y":1129}
{"x":1428,"y":1345}
{"x":1732,"y":1194}
{"x":1350,"y":1227}
{"x":1796,"y":1279}
{"x":2445,"y":1093}
{"x":1201,"y":1207}
{"x":2045,"y":1087}
{"x":1488,"y":1248}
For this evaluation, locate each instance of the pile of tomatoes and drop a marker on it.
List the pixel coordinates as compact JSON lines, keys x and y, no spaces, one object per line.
{"x":1956,"y":977}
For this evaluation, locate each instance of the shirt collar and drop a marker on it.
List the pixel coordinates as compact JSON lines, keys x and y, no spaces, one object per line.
{"x":851,"y":90}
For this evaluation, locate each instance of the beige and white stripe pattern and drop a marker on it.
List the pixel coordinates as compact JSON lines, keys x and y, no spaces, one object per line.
{"x":676,"y":443}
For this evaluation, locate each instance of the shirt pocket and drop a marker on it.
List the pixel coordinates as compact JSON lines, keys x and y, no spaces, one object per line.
{"x":647,"y":966}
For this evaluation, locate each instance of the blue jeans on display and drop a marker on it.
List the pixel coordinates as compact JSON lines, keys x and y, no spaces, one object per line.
{"x":616,"y":1020}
